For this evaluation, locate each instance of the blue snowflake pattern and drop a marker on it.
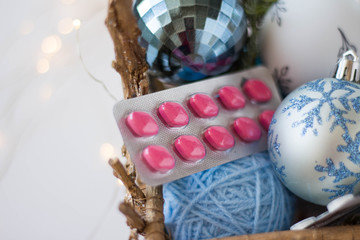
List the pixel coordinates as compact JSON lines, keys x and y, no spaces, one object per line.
{"x":280,"y":171}
{"x":274,"y":151}
{"x":339,"y":104}
{"x":356,"y":104}
{"x":274,"y":148}
{"x":336,"y":114}
{"x":352,"y":147}
{"x":341,"y":173}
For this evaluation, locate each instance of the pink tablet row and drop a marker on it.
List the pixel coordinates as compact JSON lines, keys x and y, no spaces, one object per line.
{"x":190,"y":148}
{"x":202,"y":105}
{"x":183,"y":130}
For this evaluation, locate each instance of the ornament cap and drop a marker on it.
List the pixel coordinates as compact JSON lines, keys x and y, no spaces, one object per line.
{"x":348,"y":67}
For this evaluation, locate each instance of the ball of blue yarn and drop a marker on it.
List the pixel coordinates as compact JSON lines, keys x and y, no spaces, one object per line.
{"x":239,"y":197}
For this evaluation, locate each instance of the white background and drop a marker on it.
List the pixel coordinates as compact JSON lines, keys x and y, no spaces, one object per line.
{"x":56,"y":124}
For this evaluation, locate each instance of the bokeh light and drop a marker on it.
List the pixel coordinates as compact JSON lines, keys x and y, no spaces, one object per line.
{"x":51,"y":44}
{"x":42,"y":65}
{"x":77,"y":23}
{"x":107,"y":151}
{"x":65,"y":26}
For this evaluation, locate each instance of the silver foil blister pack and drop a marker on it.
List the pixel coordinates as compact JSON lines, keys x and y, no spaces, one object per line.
{"x":196,"y":126}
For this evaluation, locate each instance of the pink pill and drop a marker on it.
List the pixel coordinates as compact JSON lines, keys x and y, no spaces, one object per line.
{"x":142,"y":124}
{"x":247,"y":129}
{"x":203,"y":106}
{"x":232,"y":98}
{"x":158,"y":159}
{"x":265,"y":118}
{"x":190,"y":148}
{"x":173,"y":114}
{"x":257,"y":91}
{"x":219,"y":138}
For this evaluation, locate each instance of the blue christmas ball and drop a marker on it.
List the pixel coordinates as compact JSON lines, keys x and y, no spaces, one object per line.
{"x":314,"y":140}
{"x":202,"y":35}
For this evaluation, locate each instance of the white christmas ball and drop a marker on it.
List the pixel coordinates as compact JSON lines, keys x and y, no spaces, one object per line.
{"x":314,"y":140}
{"x":300,"y":40}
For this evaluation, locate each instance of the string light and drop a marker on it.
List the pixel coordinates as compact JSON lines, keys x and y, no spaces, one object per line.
{"x":77,"y":24}
{"x":26,"y":27}
{"x":51,"y":44}
{"x":107,"y":151}
{"x":65,"y":26}
{"x":42,"y":65}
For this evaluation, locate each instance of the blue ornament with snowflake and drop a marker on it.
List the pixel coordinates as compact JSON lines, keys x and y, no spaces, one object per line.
{"x":314,"y":137}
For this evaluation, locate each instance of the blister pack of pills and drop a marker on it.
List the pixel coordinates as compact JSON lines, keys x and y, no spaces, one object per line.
{"x":180,"y":131}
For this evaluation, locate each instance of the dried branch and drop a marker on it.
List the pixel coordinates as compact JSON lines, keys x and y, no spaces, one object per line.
{"x":134,"y":220}
{"x":131,"y":65}
{"x":130,"y":185}
{"x":155,"y":229}
{"x":129,"y":166}
{"x":131,"y":172}
{"x":130,"y":57}
{"x":343,"y":232}
{"x":134,"y":235}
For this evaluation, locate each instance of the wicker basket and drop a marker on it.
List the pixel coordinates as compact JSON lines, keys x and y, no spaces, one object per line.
{"x":143,"y":205}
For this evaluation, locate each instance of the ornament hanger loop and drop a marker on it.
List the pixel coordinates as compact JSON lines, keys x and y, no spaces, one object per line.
{"x":347,"y":68}
{"x":352,"y":53}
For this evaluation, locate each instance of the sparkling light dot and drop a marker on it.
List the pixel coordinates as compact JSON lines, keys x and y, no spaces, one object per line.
{"x":42,"y":65}
{"x":107,"y":151}
{"x":51,"y":44}
{"x":65,"y":26}
{"x":46,"y":93}
{"x":76,"y":23}
{"x":68,"y":1}
{"x":120,"y":183}
{"x":26,"y":27}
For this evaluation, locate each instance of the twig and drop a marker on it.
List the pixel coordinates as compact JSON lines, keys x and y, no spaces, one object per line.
{"x":130,"y":185}
{"x":154,"y":214}
{"x":133,"y":234}
{"x":130,"y":63}
{"x":130,"y":57}
{"x":343,"y":232}
{"x":134,"y":220}
{"x":129,"y":166}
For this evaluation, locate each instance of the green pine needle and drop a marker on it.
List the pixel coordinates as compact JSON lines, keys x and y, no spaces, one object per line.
{"x":255,"y":11}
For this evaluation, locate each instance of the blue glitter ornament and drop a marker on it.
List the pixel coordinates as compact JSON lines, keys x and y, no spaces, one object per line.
{"x":236,"y":198}
{"x":205,"y":36}
{"x":314,"y":137}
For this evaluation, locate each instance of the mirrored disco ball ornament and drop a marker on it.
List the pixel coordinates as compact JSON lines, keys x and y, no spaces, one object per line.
{"x":314,"y":137}
{"x":195,"y":38}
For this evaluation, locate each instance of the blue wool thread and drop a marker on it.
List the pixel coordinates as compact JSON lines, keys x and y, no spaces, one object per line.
{"x":239,"y":197}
